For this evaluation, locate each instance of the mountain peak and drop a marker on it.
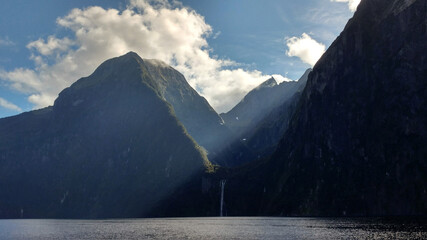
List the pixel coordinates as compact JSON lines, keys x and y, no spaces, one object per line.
{"x":131,"y":54}
{"x":126,"y":57}
{"x":128,"y":61}
{"x":134,"y":56}
{"x":271,"y":82}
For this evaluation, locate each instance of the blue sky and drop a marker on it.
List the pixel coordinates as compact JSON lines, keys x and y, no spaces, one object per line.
{"x":223,"y":47}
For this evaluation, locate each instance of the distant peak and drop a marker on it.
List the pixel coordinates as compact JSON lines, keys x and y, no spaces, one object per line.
{"x":271,"y":82}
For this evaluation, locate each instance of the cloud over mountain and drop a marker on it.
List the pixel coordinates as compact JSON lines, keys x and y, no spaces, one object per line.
{"x":154,"y":29}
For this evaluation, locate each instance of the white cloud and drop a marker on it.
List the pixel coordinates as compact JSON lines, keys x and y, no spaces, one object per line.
{"x":305,"y":48}
{"x":6,"y":104}
{"x":6,"y":42}
{"x":352,"y":4}
{"x":155,"y":29}
{"x":51,"y":45}
{"x":280,"y":78}
{"x":216,"y":35}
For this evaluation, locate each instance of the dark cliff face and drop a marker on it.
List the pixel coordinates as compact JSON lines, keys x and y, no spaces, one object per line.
{"x":357,"y":142}
{"x":109,"y":147}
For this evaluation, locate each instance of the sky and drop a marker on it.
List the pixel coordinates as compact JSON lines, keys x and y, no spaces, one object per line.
{"x":224,"y":48}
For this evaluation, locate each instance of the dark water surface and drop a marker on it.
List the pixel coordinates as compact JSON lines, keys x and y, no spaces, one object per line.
{"x":217,"y":228}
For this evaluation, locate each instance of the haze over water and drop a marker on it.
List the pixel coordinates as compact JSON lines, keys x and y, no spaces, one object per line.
{"x":216,"y":228}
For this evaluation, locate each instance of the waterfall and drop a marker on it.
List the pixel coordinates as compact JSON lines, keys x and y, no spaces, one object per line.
{"x":222,"y":184}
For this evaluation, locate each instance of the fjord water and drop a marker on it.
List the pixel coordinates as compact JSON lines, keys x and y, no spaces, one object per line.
{"x":217,"y":228}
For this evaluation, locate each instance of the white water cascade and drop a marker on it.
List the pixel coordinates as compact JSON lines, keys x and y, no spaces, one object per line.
{"x":222,"y":184}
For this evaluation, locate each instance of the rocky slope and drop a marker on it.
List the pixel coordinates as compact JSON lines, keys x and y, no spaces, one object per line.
{"x":111,"y":146}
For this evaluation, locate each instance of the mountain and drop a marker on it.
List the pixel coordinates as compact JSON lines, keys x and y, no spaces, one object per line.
{"x":356,"y":142}
{"x":110,"y":146}
{"x":267,"y":133}
{"x":261,"y":118}
{"x":257,"y":104}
